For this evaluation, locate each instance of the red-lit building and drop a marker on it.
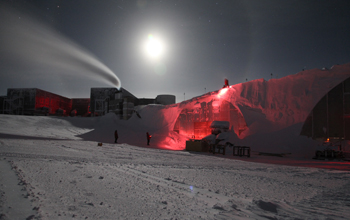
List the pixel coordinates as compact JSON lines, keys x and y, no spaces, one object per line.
{"x":317,"y":100}
{"x":80,"y":107}
{"x":195,"y":122}
{"x":33,"y":101}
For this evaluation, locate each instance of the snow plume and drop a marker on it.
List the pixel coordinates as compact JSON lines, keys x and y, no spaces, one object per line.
{"x":35,"y":46}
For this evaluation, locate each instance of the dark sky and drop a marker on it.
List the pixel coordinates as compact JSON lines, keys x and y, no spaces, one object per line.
{"x":205,"y":42}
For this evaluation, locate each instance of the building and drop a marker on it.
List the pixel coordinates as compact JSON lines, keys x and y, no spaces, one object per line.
{"x":100,"y":99}
{"x":165,"y":99}
{"x":317,"y":101}
{"x":330,"y":118}
{"x":2,"y":99}
{"x":121,"y":102}
{"x":194,"y":122}
{"x":80,"y":107}
{"x":33,"y":101}
{"x":104,"y":100}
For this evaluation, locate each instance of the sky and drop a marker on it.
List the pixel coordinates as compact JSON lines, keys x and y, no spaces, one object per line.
{"x":68,"y":46}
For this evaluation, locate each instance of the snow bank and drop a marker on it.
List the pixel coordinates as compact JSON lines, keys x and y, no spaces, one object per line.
{"x":274,"y":111}
{"x":75,"y":179}
{"x":44,"y":127}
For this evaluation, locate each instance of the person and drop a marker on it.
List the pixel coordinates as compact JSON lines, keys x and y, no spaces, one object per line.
{"x":148,"y":137}
{"x":115,"y":136}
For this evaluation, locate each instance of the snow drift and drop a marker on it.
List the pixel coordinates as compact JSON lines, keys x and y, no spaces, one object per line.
{"x":273,"y":111}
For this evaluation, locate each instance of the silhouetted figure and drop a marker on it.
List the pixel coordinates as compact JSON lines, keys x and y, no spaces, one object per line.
{"x":148,"y":137}
{"x":115,"y":136}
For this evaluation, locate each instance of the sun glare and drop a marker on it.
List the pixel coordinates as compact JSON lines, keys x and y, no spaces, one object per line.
{"x":154,"y":47}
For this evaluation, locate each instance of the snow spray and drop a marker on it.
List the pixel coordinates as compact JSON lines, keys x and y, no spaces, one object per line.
{"x":29,"y":43}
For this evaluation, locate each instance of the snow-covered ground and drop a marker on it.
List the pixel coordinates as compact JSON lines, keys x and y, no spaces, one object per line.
{"x":53,"y":168}
{"x":63,"y":174}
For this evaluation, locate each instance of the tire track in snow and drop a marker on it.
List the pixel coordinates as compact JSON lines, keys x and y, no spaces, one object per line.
{"x":13,"y":193}
{"x":217,"y":203}
{"x":59,"y":158}
{"x":228,"y":207}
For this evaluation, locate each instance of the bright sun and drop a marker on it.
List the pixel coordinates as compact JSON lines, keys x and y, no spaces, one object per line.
{"x":154,"y":47}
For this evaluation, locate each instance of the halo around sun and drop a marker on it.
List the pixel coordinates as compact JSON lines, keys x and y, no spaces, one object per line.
{"x":154,"y":47}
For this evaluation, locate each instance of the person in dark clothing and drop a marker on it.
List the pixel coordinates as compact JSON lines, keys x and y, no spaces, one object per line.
{"x":115,"y":136}
{"x":148,"y":137}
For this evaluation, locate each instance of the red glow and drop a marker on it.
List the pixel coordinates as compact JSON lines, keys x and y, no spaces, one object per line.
{"x":194,"y":123}
{"x":216,"y":103}
{"x":167,"y":147}
{"x":222,"y":92}
{"x":51,"y":101}
{"x":171,"y":143}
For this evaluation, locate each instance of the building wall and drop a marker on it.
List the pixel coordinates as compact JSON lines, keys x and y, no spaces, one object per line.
{"x":194,"y":122}
{"x":144,"y":101}
{"x":2,"y":99}
{"x":165,"y":99}
{"x":20,"y":101}
{"x":330,"y":118}
{"x":100,"y":98}
{"x":121,"y":102}
{"x":81,"y":106}
{"x":52,"y":101}
{"x":33,"y":101}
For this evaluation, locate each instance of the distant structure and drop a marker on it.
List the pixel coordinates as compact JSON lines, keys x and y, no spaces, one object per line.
{"x":165,"y":99}
{"x":33,"y":101}
{"x":226,"y":84}
{"x":80,"y":107}
{"x":121,"y":102}
{"x":330,"y":118}
{"x":104,"y":100}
